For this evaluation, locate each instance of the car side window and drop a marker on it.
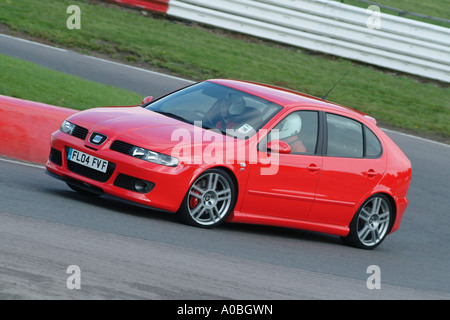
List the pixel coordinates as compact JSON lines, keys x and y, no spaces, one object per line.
{"x":345,"y":137}
{"x":299,"y":130}
{"x":373,"y":145}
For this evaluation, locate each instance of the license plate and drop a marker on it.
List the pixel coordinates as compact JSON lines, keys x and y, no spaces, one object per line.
{"x":87,"y":160}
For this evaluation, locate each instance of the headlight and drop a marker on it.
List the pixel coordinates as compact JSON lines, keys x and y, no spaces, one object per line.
{"x":67,"y":127}
{"x":154,"y":157}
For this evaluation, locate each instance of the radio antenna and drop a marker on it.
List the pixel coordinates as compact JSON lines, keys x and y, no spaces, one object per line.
{"x":326,"y":95}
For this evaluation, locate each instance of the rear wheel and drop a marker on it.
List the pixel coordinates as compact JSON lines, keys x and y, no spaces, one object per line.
{"x":371,"y":223}
{"x":209,"y":200}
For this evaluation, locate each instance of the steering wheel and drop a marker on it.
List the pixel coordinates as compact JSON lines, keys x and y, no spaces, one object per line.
{"x":206,"y":117}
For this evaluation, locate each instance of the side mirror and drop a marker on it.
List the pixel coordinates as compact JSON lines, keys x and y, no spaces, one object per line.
{"x":278,"y":146}
{"x":147,"y":99}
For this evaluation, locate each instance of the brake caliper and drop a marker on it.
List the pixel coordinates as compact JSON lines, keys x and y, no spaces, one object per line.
{"x":193,"y":201}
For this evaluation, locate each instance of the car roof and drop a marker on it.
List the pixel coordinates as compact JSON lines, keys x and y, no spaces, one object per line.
{"x":285,"y":97}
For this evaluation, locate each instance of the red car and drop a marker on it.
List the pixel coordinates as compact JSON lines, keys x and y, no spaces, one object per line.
{"x":228,"y":150}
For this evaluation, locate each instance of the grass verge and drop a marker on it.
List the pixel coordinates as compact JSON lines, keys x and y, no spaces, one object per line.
{"x":197,"y":53}
{"x":26,"y":80}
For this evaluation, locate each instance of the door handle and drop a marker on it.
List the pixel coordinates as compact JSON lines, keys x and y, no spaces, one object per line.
{"x":312,"y":167}
{"x":371,"y":173}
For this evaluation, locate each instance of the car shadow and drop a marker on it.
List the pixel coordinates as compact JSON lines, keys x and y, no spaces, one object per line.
{"x":114,"y":204}
{"x":281,"y":232}
{"x":121,"y":206}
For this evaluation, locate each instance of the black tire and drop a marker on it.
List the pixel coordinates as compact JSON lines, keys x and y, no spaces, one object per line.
{"x":371,"y":223}
{"x":209,"y":200}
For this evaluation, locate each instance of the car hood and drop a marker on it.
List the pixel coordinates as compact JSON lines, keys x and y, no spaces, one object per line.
{"x":144,"y":128}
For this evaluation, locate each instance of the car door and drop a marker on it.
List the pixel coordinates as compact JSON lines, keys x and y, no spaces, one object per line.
{"x":288,"y":191}
{"x":353,"y":164}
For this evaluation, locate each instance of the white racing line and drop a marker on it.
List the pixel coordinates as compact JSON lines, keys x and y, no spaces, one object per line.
{"x":22,"y":162}
{"x":98,"y":59}
{"x":33,"y":43}
{"x":418,"y":138}
{"x":140,"y":69}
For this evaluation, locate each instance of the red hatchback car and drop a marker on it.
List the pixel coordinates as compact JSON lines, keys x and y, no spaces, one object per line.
{"x":228,"y":150}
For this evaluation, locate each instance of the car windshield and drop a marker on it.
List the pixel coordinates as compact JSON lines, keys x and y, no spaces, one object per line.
{"x":217,"y":107}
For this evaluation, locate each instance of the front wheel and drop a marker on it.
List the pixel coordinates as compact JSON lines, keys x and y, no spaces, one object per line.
{"x":371,"y":223}
{"x":209,"y":200}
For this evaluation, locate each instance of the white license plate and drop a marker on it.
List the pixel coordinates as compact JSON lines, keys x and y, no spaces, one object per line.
{"x":87,"y":160}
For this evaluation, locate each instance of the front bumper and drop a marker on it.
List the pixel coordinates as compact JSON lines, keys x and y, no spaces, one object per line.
{"x":129,"y":178}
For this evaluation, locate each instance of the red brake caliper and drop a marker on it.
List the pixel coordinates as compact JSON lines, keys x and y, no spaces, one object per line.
{"x":193,"y":201}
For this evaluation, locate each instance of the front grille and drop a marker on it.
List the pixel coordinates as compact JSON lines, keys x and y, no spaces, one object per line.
{"x":80,"y":132}
{"x":91,"y":173}
{"x":122,"y":147}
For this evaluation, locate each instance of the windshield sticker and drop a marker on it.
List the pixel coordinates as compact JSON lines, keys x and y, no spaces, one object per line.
{"x":245,"y":128}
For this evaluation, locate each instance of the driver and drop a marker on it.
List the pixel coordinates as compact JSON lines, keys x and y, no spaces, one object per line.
{"x":230,"y":109}
{"x":289,"y":130}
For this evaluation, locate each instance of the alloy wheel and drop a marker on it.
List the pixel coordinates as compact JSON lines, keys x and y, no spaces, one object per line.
{"x":209,"y":199}
{"x":371,"y":223}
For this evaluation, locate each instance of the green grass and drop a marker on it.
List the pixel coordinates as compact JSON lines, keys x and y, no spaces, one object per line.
{"x":25,"y":80}
{"x":198,"y":53}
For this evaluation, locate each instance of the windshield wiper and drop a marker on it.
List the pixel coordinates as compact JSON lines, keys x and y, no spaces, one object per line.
{"x":173,"y":115}
{"x":212,"y":128}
